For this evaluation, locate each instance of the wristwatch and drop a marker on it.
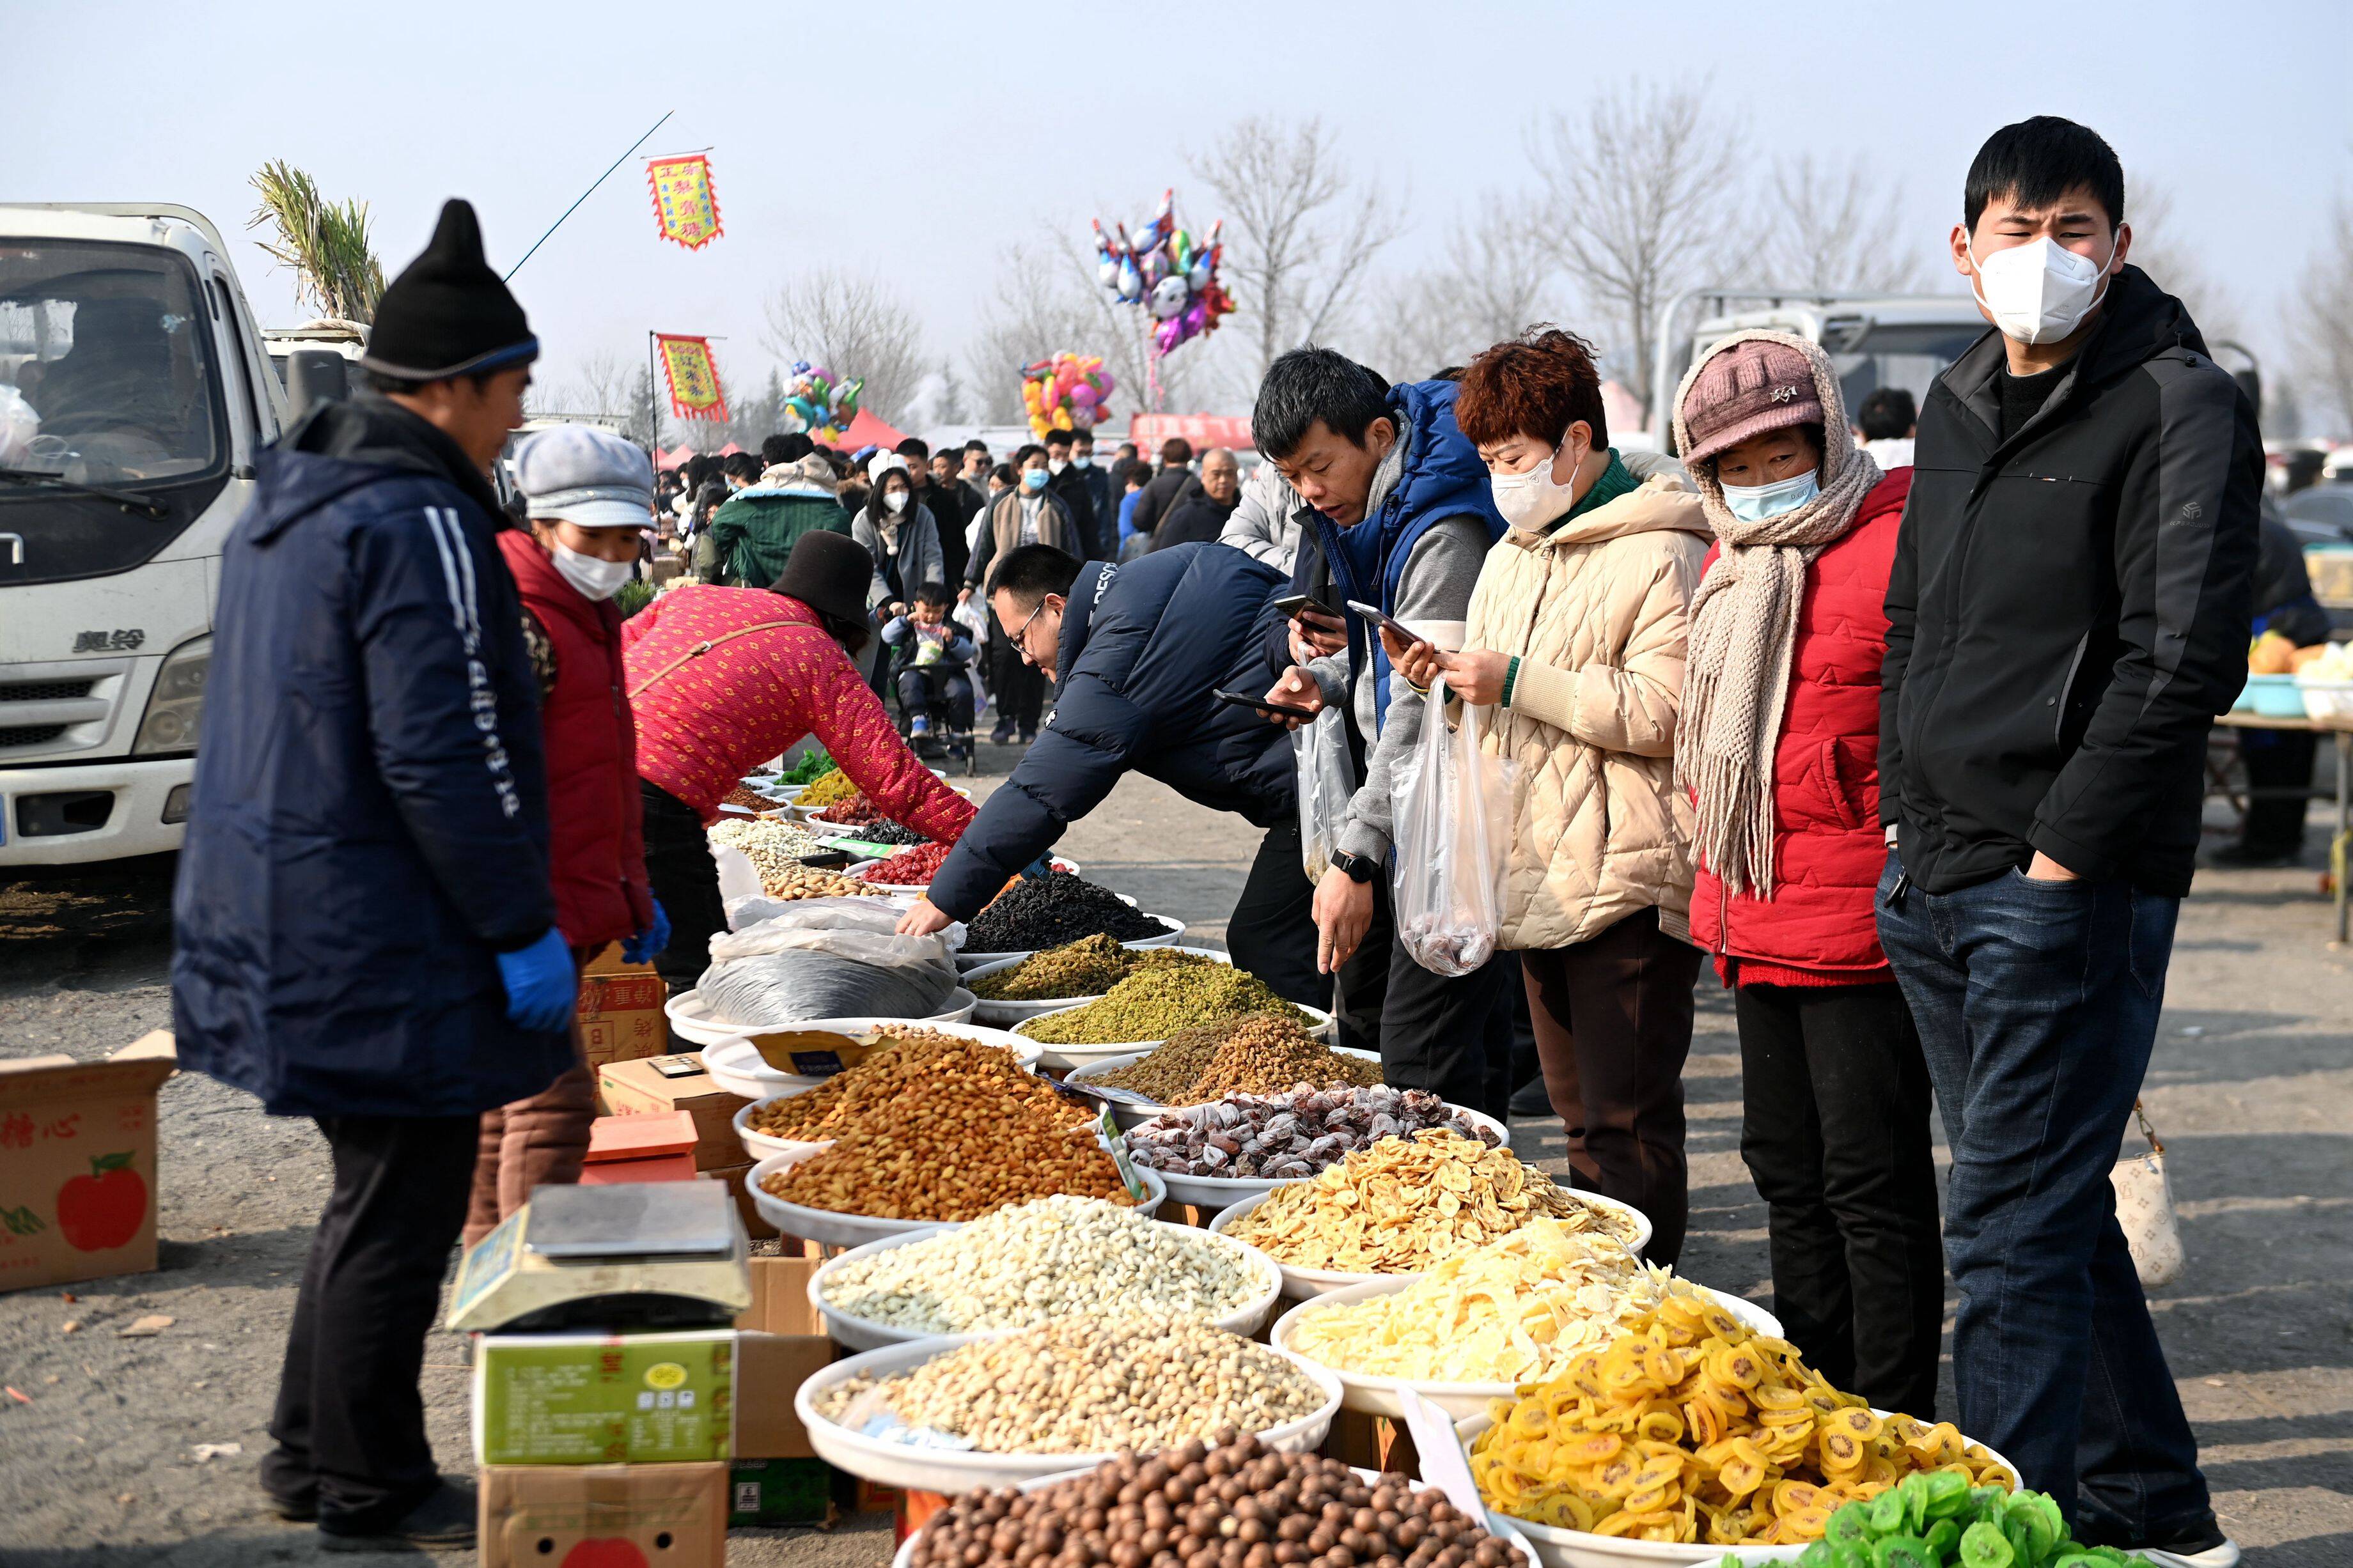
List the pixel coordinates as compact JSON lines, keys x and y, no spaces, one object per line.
{"x":1359,"y":868}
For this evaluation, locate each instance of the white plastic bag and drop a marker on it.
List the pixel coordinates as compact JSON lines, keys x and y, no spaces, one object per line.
{"x":1326,"y":782}
{"x":1452,"y":808}
{"x":823,"y":958}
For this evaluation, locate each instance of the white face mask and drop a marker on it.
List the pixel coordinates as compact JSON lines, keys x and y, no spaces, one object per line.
{"x":2040,"y":291}
{"x":1530,"y":501}
{"x":1755,"y":503}
{"x":896,"y":501}
{"x":596,"y":579}
{"x":1056,"y":465}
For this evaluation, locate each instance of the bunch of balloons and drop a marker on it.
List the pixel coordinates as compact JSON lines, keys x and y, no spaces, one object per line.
{"x":1068,"y":392}
{"x":1167,"y":271}
{"x":817,"y":404}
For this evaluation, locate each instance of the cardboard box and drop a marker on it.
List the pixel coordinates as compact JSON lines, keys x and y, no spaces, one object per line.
{"x":640,"y":1087}
{"x":77,"y":1178}
{"x":782,"y":1345}
{"x":603,"y":1399}
{"x":781,"y":1491}
{"x":619,"y":1015}
{"x":738,"y":1178}
{"x":603,"y":1516}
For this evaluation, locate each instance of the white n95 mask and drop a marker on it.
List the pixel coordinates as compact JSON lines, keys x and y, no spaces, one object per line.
{"x":2040,"y":291}
{"x":596,"y":579}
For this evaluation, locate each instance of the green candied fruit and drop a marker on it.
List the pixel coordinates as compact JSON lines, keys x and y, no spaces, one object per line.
{"x":1945,"y":1492}
{"x":2080,"y":1560}
{"x":1943,"y":1536}
{"x":1855,"y":1553}
{"x":1817,"y":1554}
{"x":1887,"y":1513}
{"x":1903,"y":1552}
{"x":2040,"y":1524}
{"x":1983,"y":1545}
{"x":1851,"y":1522}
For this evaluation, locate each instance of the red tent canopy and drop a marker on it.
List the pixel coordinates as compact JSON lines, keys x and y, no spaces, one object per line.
{"x":673,"y":459}
{"x":865,"y":430}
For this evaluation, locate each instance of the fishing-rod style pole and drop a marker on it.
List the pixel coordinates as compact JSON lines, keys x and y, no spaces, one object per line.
{"x":591,"y":190}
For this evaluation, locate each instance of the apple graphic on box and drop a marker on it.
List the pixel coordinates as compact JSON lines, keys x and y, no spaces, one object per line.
{"x":608,"y":1552}
{"x":103,"y":1210}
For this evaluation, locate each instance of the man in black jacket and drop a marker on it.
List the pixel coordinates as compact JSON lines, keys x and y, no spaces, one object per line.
{"x":1068,"y":484}
{"x":1137,"y":652}
{"x":1201,"y":517}
{"x":1167,"y":487}
{"x":2067,"y":614}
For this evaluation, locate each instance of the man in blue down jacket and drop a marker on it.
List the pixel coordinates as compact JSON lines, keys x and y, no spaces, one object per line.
{"x":366,"y":929}
{"x":1138,"y":651}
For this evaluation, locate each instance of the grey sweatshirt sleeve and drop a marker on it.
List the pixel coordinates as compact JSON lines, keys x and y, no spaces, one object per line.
{"x":1436,"y":586}
{"x":1257,"y":524}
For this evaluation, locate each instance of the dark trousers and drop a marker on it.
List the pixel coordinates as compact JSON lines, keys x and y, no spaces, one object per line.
{"x":1019,"y":687}
{"x":1834,"y":1128}
{"x":1451,"y":1036}
{"x":2037,"y":1005}
{"x":2279,"y":781}
{"x":1272,"y":932}
{"x":349,"y":1424}
{"x":683,"y":875}
{"x":1613,"y":1018}
{"x":942,"y":696}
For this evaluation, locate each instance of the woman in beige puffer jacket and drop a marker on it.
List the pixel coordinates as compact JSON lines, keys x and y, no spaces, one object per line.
{"x":1575,"y":642}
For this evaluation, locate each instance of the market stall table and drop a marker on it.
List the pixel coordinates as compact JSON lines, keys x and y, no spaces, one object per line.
{"x":2340,"y":838}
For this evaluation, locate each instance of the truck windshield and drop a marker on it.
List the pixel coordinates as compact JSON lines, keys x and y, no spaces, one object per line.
{"x":106,"y":376}
{"x":1908,"y":355}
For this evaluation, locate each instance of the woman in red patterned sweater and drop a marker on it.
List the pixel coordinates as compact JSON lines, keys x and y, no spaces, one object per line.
{"x":721,"y":680}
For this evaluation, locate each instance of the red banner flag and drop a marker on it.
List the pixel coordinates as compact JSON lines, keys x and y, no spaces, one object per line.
{"x":695,"y":389}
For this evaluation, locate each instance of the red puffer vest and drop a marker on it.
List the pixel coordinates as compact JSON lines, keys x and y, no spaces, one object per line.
{"x":596,"y":850}
{"x":1818,"y":928}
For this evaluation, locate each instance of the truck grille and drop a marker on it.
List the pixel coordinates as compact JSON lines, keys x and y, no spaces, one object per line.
{"x":30,"y":735}
{"x":42,"y":690}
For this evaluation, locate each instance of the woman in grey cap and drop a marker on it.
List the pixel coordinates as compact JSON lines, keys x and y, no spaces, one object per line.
{"x":590,"y":495}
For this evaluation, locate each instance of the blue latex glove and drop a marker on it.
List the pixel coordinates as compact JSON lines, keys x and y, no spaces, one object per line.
{"x":541,"y":985}
{"x":1038,"y":869}
{"x":641,"y":948}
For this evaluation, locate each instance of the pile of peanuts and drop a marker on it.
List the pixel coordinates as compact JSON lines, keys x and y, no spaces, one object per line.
{"x":1085,"y":1385}
{"x":805,"y":882}
{"x":917,"y":1061}
{"x":1027,"y":1264}
{"x":1234,"y":1505}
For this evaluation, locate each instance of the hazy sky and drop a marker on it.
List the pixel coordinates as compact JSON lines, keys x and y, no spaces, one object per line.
{"x":913,"y":140}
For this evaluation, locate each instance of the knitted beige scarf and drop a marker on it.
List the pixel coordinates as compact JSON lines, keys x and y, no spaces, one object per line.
{"x":1744,"y":634}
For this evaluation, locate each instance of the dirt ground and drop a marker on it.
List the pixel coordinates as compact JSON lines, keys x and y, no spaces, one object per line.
{"x":2251,"y":1088}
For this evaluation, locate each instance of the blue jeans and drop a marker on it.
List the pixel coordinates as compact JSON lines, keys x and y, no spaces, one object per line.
{"x":2037,"y":1005}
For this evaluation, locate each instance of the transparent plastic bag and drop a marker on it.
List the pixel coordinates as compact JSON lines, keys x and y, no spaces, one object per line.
{"x":825,"y":958}
{"x":1452,"y":808}
{"x":1328,"y":781}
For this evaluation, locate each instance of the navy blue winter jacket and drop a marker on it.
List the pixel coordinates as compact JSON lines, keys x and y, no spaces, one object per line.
{"x":369,"y":828}
{"x":1143,"y":647}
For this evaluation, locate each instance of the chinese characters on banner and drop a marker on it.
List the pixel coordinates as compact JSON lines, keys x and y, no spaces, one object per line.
{"x":695,"y":389}
{"x":686,"y":207}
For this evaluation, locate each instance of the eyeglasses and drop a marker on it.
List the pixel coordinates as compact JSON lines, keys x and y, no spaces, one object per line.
{"x":1021,"y":636}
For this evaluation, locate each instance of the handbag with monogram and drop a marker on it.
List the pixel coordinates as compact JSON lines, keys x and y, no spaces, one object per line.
{"x":2145,"y":1209}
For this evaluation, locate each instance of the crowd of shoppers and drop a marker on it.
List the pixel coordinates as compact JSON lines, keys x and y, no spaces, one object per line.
{"x":1899,"y":738}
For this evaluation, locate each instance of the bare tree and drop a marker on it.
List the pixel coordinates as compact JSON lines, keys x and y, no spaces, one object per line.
{"x":1837,"y":226}
{"x":2321,"y":319}
{"x":1035,"y":307}
{"x":600,"y":383}
{"x":1639,"y":211}
{"x":1491,"y":286}
{"x":2158,"y":249}
{"x":1301,"y":230}
{"x":852,"y":325}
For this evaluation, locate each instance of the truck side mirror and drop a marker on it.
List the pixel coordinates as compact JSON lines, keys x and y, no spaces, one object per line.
{"x":314,"y":376}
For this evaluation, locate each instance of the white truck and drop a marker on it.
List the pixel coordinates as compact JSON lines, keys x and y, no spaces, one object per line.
{"x":134,"y":395}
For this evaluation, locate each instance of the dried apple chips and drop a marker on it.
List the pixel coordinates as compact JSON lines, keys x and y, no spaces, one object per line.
{"x":1690,"y":1428}
{"x":1514,"y":1310}
{"x":1404,"y":1204}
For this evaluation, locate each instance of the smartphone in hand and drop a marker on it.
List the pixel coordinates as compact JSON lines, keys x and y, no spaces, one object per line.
{"x":1260,"y":705}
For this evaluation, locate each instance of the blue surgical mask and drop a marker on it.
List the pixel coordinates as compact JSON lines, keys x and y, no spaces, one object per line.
{"x":1082,"y":459}
{"x":1035,"y":478}
{"x":1755,"y":503}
